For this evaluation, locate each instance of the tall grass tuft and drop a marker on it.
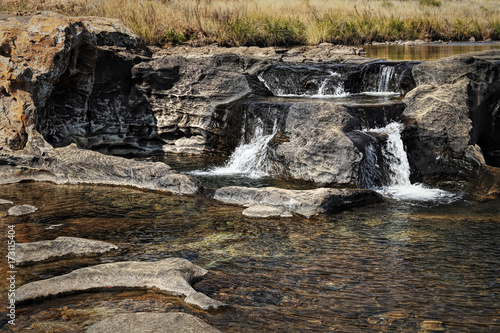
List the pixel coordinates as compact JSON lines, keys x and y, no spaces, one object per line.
{"x":292,"y":22}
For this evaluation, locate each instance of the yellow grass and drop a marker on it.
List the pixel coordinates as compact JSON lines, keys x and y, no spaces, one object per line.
{"x":265,"y":22}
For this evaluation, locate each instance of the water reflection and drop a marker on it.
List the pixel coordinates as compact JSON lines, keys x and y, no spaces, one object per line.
{"x":425,"y":52}
{"x":388,"y":267}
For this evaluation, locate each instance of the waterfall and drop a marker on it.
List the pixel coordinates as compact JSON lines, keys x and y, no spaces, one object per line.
{"x":385,"y":75}
{"x":398,"y":185}
{"x":248,"y":159}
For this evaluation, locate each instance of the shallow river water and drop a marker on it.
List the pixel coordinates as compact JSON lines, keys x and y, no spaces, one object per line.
{"x":393,"y":267}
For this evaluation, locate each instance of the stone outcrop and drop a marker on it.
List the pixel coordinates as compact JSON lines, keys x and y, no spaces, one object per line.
{"x":60,"y":247}
{"x":172,"y":275}
{"x":452,"y":116}
{"x":147,"y":322}
{"x":306,"y":203}
{"x":19,"y":210}
{"x":71,"y":165}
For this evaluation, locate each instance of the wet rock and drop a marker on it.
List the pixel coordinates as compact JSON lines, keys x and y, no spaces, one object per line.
{"x":71,"y":165}
{"x":433,"y":326}
{"x":307,"y":203}
{"x":146,"y":322}
{"x":172,"y":275}
{"x":61,"y":246}
{"x":261,"y":211}
{"x":21,"y":210}
{"x":451,"y":117}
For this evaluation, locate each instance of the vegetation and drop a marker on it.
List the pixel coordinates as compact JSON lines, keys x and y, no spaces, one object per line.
{"x":287,"y":22}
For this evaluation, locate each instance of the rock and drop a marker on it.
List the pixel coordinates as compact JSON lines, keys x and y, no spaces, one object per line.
{"x":5,"y":202}
{"x":61,"y":246}
{"x":146,"y":322}
{"x":261,"y":211}
{"x":433,"y":325}
{"x":112,"y":32}
{"x":70,"y":165}
{"x":21,"y":210}
{"x":36,"y":58}
{"x":307,"y":203}
{"x":452,"y":126}
{"x":172,"y":275}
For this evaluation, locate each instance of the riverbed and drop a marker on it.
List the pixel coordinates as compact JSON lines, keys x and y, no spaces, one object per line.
{"x":395,"y":266}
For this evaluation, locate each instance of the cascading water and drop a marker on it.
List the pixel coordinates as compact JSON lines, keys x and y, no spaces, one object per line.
{"x":248,"y":159}
{"x":398,"y":184}
{"x":385,"y":76}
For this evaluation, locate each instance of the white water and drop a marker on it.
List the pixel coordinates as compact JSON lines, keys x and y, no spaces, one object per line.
{"x":399,"y":186}
{"x":385,"y":76}
{"x":248,"y":159}
{"x":339,"y":91}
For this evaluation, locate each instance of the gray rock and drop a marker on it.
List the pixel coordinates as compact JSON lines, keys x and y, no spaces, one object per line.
{"x":146,"y":322}
{"x":451,"y":117}
{"x":71,"y":165}
{"x":112,"y":32}
{"x":307,"y":203}
{"x":61,"y":246}
{"x":21,"y":210}
{"x":5,"y":202}
{"x":172,"y":275}
{"x":261,"y":211}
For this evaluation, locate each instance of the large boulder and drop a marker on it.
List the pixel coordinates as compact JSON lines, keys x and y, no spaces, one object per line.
{"x":452,"y":116}
{"x":146,"y":322}
{"x":307,"y":203}
{"x":59,"y":247}
{"x":47,"y":55}
{"x":172,"y":275}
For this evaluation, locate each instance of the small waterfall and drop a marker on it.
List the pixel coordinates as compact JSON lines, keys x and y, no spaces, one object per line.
{"x":248,"y":159}
{"x":398,"y":185}
{"x":385,"y":75}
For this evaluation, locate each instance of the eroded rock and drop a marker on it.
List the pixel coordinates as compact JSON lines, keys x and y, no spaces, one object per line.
{"x":61,"y":246}
{"x":172,"y":275}
{"x":71,"y":165}
{"x":307,"y":203}
{"x":146,"y":322}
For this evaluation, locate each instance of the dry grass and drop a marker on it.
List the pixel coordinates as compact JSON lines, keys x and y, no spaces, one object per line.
{"x":292,"y":22}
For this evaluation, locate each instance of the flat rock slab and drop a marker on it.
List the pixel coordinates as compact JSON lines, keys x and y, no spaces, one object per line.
{"x":146,"y":322}
{"x":172,"y":275}
{"x":21,"y":210}
{"x":61,"y":246}
{"x":5,"y":202}
{"x":261,"y":211}
{"x":307,"y":203}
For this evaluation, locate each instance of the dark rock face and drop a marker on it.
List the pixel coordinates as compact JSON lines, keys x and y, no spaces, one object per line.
{"x":452,"y":116}
{"x":147,"y":322}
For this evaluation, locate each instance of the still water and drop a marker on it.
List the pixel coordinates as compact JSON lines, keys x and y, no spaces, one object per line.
{"x":425,"y":52}
{"x":391,"y":267}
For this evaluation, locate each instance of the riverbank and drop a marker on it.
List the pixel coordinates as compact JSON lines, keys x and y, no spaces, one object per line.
{"x":286,"y":23}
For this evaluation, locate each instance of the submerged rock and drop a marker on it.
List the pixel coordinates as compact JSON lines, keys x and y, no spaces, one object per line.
{"x":61,"y":246}
{"x":21,"y":210}
{"x":262,"y":211}
{"x":146,"y":322}
{"x":172,"y":275}
{"x":307,"y":203}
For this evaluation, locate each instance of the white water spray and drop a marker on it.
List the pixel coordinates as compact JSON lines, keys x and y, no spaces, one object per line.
{"x":399,"y":186}
{"x":248,"y":159}
{"x":385,"y":75}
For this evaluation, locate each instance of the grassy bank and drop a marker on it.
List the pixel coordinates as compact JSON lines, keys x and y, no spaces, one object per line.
{"x":292,"y":22}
